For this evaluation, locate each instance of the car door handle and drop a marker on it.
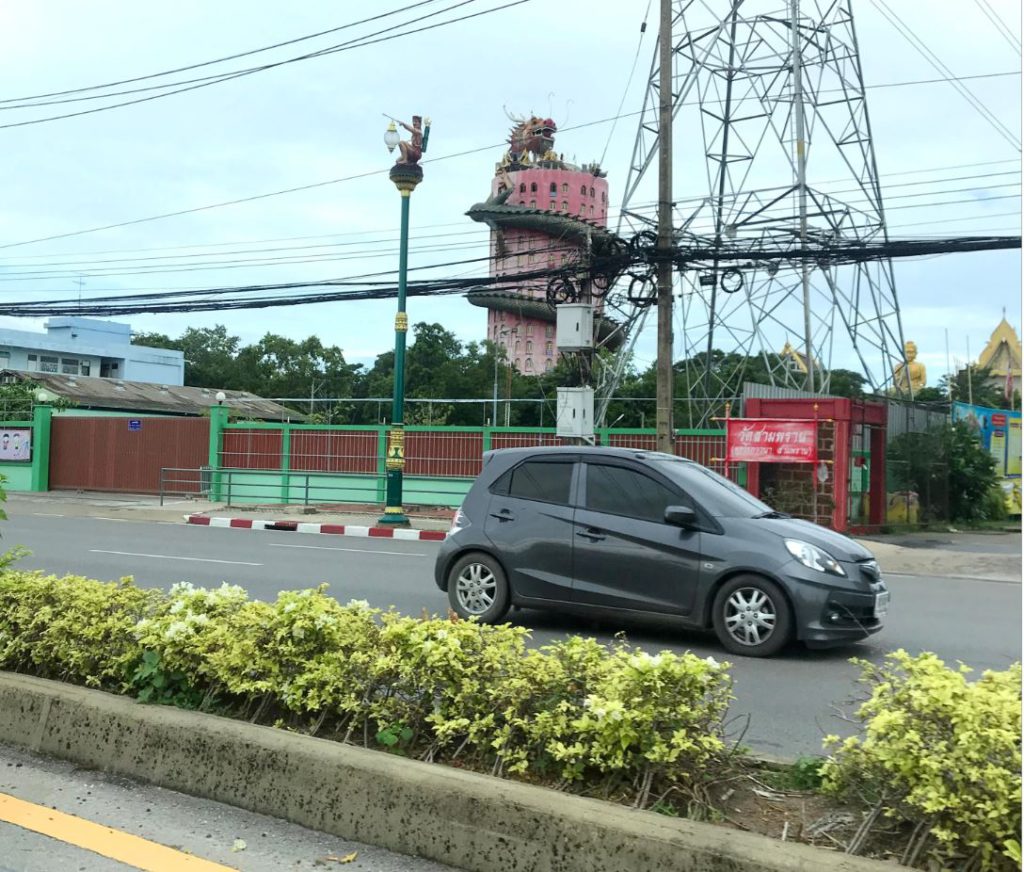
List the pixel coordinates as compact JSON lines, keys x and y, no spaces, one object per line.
{"x":503,"y":515}
{"x":592,"y":534}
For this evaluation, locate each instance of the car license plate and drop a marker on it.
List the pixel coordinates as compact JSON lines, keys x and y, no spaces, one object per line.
{"x":881,"y":604}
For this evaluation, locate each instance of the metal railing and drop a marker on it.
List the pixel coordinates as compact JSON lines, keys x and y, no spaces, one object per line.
{"x":255,"y":486}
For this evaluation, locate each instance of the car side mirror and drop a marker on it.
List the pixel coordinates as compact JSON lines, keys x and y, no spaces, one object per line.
{"x":681,"y":516}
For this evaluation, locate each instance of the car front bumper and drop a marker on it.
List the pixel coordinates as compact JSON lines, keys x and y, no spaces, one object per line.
{"x":834,"y":615}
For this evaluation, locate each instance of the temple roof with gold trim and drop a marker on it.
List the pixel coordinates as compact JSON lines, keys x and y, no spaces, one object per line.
{"x":1003,"y":350}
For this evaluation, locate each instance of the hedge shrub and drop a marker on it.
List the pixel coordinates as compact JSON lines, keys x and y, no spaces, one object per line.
{"x":588,"y":716}
{"x":941,"y":753}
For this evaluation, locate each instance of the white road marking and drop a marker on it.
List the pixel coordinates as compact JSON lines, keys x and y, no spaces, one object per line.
{"x":173,"y":557}
{"x":101,"y":518}
{"x":46,"y":515}
{"x":358,"y":550}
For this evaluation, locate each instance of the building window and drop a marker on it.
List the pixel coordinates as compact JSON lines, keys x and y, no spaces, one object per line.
{"x":69,"y":365}
{"x":519,"y":346}
{"x":47,"y":363}
{"x":522,"y":188}
{"x":533,"y":204}
{"x":547,"y":366}
{"x":549,"y":349}
{"x":552,"y":206}
{"x":501,"y":316}
{"x":591,"y":192}
{"x":603,"y":196}
{"x":554,"y":188}
{"x":522,"y":202}
{"x":529,"y":364}
{"x":591,"y":211}
{"x":549,"y":331}
{"x":565,"y":205}
{"x":529,"y":346}
{"x":533,"y":187}
{"x":529,"y":330}
{"x":583,"y":190}
{"x":565,"y":187}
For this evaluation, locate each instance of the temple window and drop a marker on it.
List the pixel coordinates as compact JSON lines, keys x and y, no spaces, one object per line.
{"x":522,"y":187}
{"x":591,"y":192}
{"x":583,"y":190}
{"x":529,"y":364}
{"x":565,"y":205}
{"x":533,"y":187}
{"x":552,"y":206}
{"x":565,"y":187}
{"x":554,"y":188}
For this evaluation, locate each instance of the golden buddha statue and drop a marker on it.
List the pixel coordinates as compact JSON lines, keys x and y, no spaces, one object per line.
{"x":911,"y":377}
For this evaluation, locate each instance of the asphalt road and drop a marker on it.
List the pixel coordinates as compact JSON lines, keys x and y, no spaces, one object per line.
{"x":784,"y":704}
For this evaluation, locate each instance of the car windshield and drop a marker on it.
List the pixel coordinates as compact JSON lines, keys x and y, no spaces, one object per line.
{"x":715,"y":492}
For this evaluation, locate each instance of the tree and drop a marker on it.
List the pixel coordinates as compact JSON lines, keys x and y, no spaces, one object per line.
{"x":209,"y":357}
{"x":973,"y":385}
{"x":944,"y":465}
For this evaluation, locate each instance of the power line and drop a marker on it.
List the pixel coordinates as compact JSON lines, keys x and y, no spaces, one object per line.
{"x":213,"y":80}
{"x":629,"y":81}
{"x":922,"y":49}
{"x":219,"y":60}
{"x":999,"y":24}
{"x":368,"y":173}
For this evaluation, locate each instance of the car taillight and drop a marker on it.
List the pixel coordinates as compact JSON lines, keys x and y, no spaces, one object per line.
{"x":459,"y":521}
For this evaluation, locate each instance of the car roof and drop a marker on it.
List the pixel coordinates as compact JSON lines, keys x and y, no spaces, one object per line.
{"x":590,"y":450}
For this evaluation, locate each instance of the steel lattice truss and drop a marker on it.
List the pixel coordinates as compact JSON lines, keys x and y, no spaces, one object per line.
{"x":735,"y":84}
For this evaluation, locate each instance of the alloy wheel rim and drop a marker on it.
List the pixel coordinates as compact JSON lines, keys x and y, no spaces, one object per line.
{"x":750,"y":616}
{"x":476,"y":588}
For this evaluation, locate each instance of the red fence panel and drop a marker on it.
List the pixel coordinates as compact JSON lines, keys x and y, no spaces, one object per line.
{"x":251,"y":449}
{"x":334,"y":451}
{"x":109,"y":454}
{"x":444,"y":453}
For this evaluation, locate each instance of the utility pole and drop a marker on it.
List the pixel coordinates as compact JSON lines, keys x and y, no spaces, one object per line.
{"x":663,"y":400}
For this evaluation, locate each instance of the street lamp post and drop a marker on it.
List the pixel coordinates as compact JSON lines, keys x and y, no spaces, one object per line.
{"x":406,"y":174}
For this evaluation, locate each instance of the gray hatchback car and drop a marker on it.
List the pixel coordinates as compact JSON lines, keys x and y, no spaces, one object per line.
{"x":621,"y":531}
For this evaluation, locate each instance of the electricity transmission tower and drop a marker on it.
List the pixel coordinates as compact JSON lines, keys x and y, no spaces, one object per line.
{"x":771,"y":128}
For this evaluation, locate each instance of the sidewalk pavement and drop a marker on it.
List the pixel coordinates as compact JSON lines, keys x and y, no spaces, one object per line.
{"x":983,"y":556}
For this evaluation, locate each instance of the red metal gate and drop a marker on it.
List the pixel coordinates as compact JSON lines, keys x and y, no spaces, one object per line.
{"x":124,"y":454}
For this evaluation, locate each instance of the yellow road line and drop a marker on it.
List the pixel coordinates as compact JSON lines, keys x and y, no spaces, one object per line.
{"x":99,"y":839}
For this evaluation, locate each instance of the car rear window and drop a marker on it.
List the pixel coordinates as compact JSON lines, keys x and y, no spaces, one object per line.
{"x":545,"y":482}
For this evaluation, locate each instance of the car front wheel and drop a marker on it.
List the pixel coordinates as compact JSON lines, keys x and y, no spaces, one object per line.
{"x":478,"y":588}
{"x":751,"y":617}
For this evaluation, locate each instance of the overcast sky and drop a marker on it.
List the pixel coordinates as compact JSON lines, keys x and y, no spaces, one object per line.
{"x":321,"y":120}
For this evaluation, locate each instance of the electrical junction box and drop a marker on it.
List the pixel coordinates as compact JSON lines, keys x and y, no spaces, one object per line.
{"x":575,"y":413}
{"x":575,"y":326}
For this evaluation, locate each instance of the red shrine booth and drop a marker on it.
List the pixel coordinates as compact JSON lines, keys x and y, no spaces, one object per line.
{"x":839,"y":481}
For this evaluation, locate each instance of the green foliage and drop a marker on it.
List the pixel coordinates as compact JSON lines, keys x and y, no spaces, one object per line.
{"x":945,"y":465}
{"x":18,"y":398}
{"x":71,"y":628}
{"x":941,"y":753}
{"x":805,"y":773}
{"x":152,"y":683}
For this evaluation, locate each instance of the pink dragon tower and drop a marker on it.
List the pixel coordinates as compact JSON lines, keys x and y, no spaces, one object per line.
{"x":543,"y":213}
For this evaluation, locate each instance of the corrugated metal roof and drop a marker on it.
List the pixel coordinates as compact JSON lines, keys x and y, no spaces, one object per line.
{"x":133,"y":396}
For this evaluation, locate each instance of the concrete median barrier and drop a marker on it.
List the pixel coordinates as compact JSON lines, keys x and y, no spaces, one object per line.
{"x":467,"y":820}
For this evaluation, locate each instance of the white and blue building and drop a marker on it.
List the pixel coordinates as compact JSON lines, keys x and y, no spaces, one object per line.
{"x":92,"y":348}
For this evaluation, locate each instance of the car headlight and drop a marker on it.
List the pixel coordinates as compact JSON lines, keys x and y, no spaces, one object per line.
{"x":814,"y":557}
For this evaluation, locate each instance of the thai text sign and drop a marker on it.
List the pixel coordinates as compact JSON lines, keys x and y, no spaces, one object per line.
{"x":771,"y":440}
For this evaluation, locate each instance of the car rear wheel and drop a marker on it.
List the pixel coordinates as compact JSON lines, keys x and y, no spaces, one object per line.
{"x":478,"y":588}
{"x":751,"y":617}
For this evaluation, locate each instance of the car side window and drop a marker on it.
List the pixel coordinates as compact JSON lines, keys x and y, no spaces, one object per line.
{"x":616,"y":490}
{"x":534,"y":480}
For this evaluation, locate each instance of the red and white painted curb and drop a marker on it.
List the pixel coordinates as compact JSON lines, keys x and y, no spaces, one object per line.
{"x":330,"y":529}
